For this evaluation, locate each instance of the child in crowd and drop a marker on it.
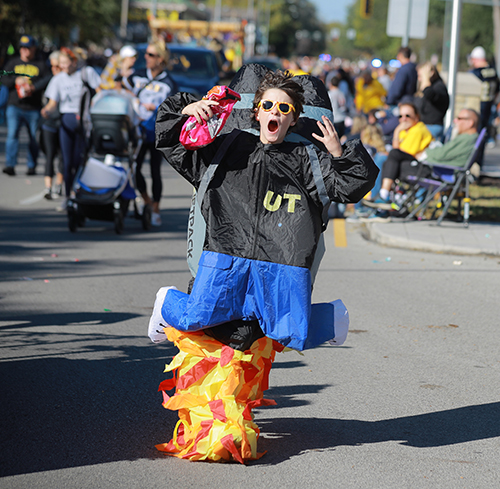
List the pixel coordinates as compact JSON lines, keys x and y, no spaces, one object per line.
{"x":264,"y":219}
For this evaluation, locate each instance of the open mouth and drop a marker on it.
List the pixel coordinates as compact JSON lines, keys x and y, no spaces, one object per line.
{"x":272,"y":126}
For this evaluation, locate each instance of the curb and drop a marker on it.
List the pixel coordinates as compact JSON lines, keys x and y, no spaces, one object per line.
{"x":375,"y":234}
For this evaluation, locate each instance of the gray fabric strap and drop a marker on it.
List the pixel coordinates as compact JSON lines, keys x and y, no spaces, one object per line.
{"x":209,"y":174}
{"x":320,"y":183}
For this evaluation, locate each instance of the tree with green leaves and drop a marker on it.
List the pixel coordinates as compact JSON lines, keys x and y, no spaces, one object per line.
{"x":55,"y":19}
{"x":371,"y":38}
{"x":295,"y":29}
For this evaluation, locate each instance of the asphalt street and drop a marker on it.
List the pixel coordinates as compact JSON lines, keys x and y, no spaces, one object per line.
{"x":410,"y":401}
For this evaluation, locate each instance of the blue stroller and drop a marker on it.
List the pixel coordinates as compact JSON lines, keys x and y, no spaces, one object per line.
{"x":104,"y":186}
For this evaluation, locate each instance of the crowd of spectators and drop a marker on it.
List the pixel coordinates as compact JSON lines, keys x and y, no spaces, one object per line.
{"x":373,"y":103}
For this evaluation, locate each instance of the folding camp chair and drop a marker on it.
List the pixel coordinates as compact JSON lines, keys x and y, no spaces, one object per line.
{"x":447,"y":180}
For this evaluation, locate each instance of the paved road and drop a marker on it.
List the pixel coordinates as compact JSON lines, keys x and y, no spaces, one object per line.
{"x":410,"y":401}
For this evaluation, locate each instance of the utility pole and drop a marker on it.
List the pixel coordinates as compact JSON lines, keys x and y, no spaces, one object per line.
{"x":406,"y":38}
{"x":454,"y":53}
{"x":218,"y":11}
{"x":496,"y":31}
{"x":124,"y":19}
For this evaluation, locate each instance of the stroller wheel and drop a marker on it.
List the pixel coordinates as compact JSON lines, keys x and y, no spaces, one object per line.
{"x":146,"y":218}
{"x":118,"y":223}
{"x":118,"y":218}
{"x":81,"y":221}
{"x":72,"y":219}
{"x":80,"y":217}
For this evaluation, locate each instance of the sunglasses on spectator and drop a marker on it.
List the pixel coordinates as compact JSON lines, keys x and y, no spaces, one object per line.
{"x":406,"y":116}
{"x":284,"y":107}
{"x":151,"y":55}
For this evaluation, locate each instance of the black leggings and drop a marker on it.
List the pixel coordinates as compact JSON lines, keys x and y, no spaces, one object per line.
{"x":50,"y":140}
{"x":155,"y":161}
{"x":399,"y":165}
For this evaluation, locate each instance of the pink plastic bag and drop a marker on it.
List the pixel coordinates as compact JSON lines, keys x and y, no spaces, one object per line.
{"x":194,"y":135}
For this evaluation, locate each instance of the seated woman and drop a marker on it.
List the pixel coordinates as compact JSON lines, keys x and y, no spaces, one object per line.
{"x":411,"y":137}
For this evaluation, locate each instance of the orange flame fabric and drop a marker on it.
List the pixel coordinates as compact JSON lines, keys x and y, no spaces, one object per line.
{"x":216,"y":389}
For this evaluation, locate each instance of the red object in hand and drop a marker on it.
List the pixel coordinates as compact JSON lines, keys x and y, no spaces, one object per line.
{"x":195,"y":135}
{"x":23,"y":89}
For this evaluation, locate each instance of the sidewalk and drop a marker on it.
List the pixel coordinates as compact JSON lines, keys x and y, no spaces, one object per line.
{"x":451,"y":237}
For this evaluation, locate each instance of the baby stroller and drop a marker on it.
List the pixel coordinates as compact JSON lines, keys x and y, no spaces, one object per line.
{"x":104,"y":186}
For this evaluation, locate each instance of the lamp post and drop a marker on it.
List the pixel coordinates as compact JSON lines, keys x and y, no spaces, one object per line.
{"x":454,"y":52}
{"x":124,"y":19}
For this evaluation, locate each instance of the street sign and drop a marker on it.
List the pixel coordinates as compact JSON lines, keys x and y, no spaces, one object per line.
{"x":408,"y":18}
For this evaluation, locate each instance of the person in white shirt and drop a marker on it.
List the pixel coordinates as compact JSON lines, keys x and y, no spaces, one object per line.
{"x":65,"y":90}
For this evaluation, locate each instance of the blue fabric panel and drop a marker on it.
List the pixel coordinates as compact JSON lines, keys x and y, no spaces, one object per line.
{"x":321,"y":325}
{"x":278,"y":296}
{"x":174,"y":306}
{"x":216,"y":260}
{"x":96,"y":191}
{"x":445,"y":174}
{"x":129,"y":192}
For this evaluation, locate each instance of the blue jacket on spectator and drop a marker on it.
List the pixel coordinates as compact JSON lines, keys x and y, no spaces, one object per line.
{"x":404,"y":84}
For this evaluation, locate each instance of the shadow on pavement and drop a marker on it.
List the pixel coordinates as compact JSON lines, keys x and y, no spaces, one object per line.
{"x":45,"y":225}
{"x":292,"y":436}
{"x":285,"y":396}
{"x":63,"y":319}
{"x":58,"y":412}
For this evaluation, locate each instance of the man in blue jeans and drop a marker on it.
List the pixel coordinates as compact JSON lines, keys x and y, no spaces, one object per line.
{"x":25,"y":101}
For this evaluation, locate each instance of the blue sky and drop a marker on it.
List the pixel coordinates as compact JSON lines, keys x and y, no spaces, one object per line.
{"x":332,"y":10}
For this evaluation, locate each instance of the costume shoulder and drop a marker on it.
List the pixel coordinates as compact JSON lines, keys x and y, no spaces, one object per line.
{"x":170,"y":120}
{"x":351,"y":176}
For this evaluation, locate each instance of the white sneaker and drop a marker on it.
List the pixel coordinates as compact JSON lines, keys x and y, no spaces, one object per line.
{"x":63,"y":205}
{"x":155,"y":219}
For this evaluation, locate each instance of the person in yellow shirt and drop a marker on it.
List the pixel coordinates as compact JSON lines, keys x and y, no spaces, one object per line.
{"x":119,"y":66}
{"x":411,"y":137}
{"x":370,"y":93}
{"x":295,"y":68}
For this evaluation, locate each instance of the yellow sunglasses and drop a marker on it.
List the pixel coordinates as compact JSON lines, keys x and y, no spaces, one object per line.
{"x":283,"y":107}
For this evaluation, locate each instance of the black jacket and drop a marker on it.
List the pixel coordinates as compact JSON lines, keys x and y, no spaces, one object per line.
{"x":262,"y":202}
{"x":40,"y":77}
{"x":434,"y":103}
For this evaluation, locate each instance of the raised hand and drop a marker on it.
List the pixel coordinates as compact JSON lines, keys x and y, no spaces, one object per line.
{"x":330,"y":137}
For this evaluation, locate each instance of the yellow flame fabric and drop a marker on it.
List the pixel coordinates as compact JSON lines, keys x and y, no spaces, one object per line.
{"x":216,"y":389}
